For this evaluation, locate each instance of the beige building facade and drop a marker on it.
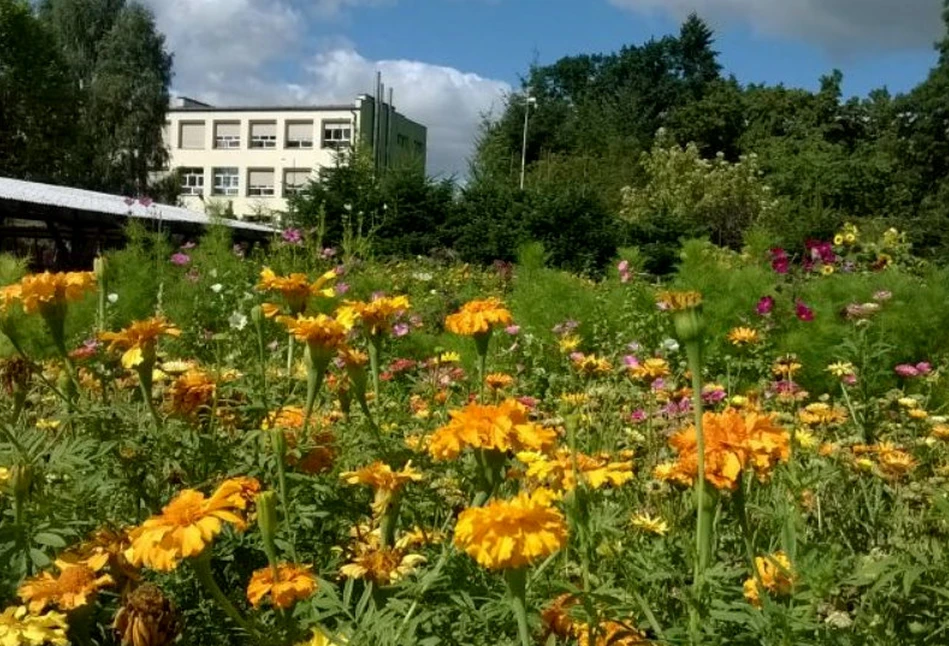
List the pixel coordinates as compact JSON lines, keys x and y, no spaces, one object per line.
{"x":249,"y":160}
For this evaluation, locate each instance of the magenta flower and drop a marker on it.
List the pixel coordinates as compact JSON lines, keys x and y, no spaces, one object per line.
{"x":530,"y":402}
{"x":181,"y":259}
{"x":638,"y":416}
{"x":341,"y":288}
{"x":780,"y":262}
{"x":924,"y":367}
{"x":713,"y":395}
{"x":906,"y":371}
{"x":803,"y":312}
{"x":630,"y":361}
{"x":513,"y":330}
{"x":765,"y":306}
{"x":400,"y":329}
{"x":623,"y":268}
{"x":292,"y":236}
{"x":658,"y":384}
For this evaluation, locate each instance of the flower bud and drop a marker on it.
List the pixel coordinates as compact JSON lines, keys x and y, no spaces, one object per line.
{"x":267,"y":523}
{"x":257,"y":316}
{"x":22,"y":481}
{"x":99,"y":266}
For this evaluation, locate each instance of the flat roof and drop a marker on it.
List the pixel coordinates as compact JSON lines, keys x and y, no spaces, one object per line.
{"x":78,"y":199}
{"x":265,"y":108}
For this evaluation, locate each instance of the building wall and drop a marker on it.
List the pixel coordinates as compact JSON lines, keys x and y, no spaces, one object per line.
{"x":207,"y":156}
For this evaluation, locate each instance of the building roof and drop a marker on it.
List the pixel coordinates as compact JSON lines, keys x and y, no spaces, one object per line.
{"x":77,"y":199}
{"x":264,"y":108}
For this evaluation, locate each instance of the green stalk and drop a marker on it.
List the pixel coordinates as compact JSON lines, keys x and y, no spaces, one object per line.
{"x":482,"y":363}
{"x":279,"y":446}
{"x":202,"y":571}
{"x":290,"y":358}
{"x":145,"y":385}
{"x":703,"y":533}
{"x":517,"y":587}
{"x":375,"y":351}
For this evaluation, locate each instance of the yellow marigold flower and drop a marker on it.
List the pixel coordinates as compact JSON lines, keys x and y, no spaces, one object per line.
{"x":449,"y":357}
{"x":558,"y":471}
{"x":270,"y":310}
{"x":506,"y":534}
{"x":191,"y":392}
{"x":478,"y":317}
{"x":320,"y":638}
{"x":649,"y":524}
{"x":610,"y":633}
{"x":776,"y":577}
{"x":186,"y":525}
{"x":39,"y":292}
{"x":894,"y":462}
{"x":417,"y":537}
{"x":820,"y":413}
{"x":734,"y":441}
{"x":323,"y":334}
{"x":908,"y":402}
{"x":295,"y":288}
{"x":498,"y":380}
{"x":384,"y":481}
{"x":841,"y":369}
{"x":352,"y":357}
{"x":288,"y":417}
{"x":678,"y":301}
{"x":139,"y":340}
{"x":786,"y":367}
{"x":650,"y":369}
{"x":670,"y":472}
{"x":76,"y":585}
{"x":19,"y":627}
{"x":9,"y":294}
{"x":592,"y":365}
{"x":805,"y":439}
{"x":502,"y":427}
{"x":939,"y":431}
{"x":918,"y":413}
{"x":381,"y":565}
{"x":292,"y":583}
{"x":376,"y":315}
{"x":743,"y":336}
{"x":568,"y":343}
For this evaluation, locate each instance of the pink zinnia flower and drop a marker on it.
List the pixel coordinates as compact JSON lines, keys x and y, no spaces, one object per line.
{"x":638,"y":416}
{"x":804,"y":312}
{"x":906,"y":371}
{"x":180,"y":259}
{"x":765,"y":305}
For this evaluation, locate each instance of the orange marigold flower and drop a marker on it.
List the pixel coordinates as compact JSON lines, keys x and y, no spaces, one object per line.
{"x":381,"y":565}
{"x":743,"y":336}
{"x":591,"y":365}
{"x":292,"y":583}
{"x":376,"y":315}
{"x":506,"y":534}
{"x":558,"y":471}
{"x":139,"y":340}
{"x":820,"y":413}
{"x":893,"y":461}
{"x":776,"y":577}
{"x":188,"y":524}
{"x":17,"y":626}
{"x":322,"y":333}
{"x":503,"y":427}
{"x":296,"y":288}
{"x":734,"y":441}
{"x":478,"y":317}
{"x":384,"y":481}
{"x":498,"y":380}
{"x":38,"y":292}
{"x":191,"y":392}
{"x":610,"y":633}
{"x":77,"y":584}
{"x":650,"y":369}
{"x":678,"y":301}
{"x":786,"y":366}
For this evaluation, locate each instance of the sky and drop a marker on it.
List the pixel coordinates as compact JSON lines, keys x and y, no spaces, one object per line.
{"x":451,"y":62}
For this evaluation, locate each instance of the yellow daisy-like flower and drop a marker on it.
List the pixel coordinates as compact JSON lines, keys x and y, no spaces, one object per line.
{"x":188,"y":524}
{"x":841,"y":368}
{"x":786,"y":367}
{"x":510,"y":534}
{"x":776,"y":576}
{"x":295,"y":288}
{"x":191,"y":392}
{"x":893,"y":461}
{"x":39,"y":292}
{"x":292,"y":583}
{"x":19,"y":627}
{"x":568,"y":343}
{"x":678,"y":301}
{"x":478,"y":317}
{"x":827,"y":270}
{"x":938,"y":431}
{"x":558,"y":471}
{"x":376,"y":315}
{"x":448,"y":357}
{"x":650,"y":369}
{"x":503,"y":427}
{"x":139,"y":340}
{"x":384,"y":481}
{"x":820,"y":413}
{"x":74,"y":587}
{"x":498,"y":381}
{"x":320,"y":638}
{"x":591,"y":365}
{"x":649,"y":524}
{"x":323,"y":334}
{"x":381,"y":565}
{"x":740,"y":336}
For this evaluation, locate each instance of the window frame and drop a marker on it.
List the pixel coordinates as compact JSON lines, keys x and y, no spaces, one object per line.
{"x":273,"y":183}
{"x":292,"y":143}
{"x":233,"y":141}
{"x":252,"y":139}
{"x":186,"y":172}
{"x":228,"y":189}
{"x":181,"y":132}
{"x":335,"y":144}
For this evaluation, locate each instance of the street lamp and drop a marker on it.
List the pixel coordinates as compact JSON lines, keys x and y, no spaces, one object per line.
{"x":527,"y":111}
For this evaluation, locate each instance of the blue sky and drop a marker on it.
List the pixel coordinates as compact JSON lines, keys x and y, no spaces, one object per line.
{"x":453,"y":61}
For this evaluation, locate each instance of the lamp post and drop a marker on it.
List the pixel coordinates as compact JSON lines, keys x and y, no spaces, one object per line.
{"x":527,"y":111}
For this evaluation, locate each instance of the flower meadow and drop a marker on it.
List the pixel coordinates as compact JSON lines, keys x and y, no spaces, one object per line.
{"x":207,"y":444}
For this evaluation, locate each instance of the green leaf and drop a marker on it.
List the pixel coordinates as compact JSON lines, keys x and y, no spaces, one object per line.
{"x":39,"y":558}
{"x":49,"y":539}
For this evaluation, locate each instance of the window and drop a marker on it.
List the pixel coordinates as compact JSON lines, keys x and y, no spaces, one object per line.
{"x":263,"y":134}
{"x":299,"y":134}
{"x":226,"y":181}
{"x":295,"y":180}
{"x":227,"y":134}
{"x":337,"y":134}
{"x":260,"y":182}
{"x":192,"y":181}
{"x":402,"y":141}
{"x":191,"y":134}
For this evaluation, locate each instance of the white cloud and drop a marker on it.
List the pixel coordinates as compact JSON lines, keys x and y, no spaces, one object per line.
{"x":839,"y":26}
{"x":241,"y":52}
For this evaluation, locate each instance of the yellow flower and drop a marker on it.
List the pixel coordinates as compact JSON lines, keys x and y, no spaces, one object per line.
{"x":295,"y":288}
{"x":323,"y":334}
{"x":649,"y":524}
{"x":384,"y":481}
{"x":574,"y":399}
{"x":786,"y":367}
{"x":918,"y":413}
{"x":320,"y":638}
{"x":293,"y":583}
{"x":376,"y":315}
{"x":838,"y":239}
{"x":191,"y":392}
{"x":819,"y":413}
{"x":478,"y":317}
{"x":39,"y":292}
{"x":568,"y":343}
{"x":187,"y":524}
{"x":939,"y":431}
{"x":498,"y":381}
{"x":894,"y":462}
{"x":827,"y":270}
{"x":678,"y":301}
{"x":139,"y":340}
{"x":381,"y":565}
{"x":841,"y":369}
{"x":503,"y":427}
{"x":776,"y":577}
{"x":650,"y":369}
{"x":77,"y":584}
{"x":558,"y":471}
{"x":805,"y":439}
{"x":514,"y":533}
{"x":743,"y":336}
{"x":19,"y":627}
{"x":592,"y":365}
{"x":449,"y":357}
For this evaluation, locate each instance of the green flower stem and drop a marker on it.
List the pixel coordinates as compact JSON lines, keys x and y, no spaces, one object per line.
{"x":364,"y":407}
{"x":279,"y":444}
{"x":375,"y":351}
{"x":482,"y":365}
{"x":202,"y":571}
{"x":39,"y":373}
{"x":742,"y":513}
{"x":314,"y":381}
{"x":145,"y":385}
{"x":703,"y":531}
{"x":19,"y":520}
{"x":517,"y":587}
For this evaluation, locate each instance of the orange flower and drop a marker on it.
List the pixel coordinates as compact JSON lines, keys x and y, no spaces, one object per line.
{"x":380,"y":565}
{"x":498,"y":380}
{"x":295,"y":288}
{"x":293,"y":583}
{"x":734,"y":441}
{"x":38,"y":292}
{"x":650,"y":369}
{"x":139,"y":340}
{"x":504,"y":427}
{"x":323,"y":334}
{"x":191,"y":392}
{"x":188,"y":524}
{"x":819,"y":413}
{"x":678,"y":301}
{"x":591,"y":365}
{"x":558,"y":471}
{"x":743,"y":336}
{"x":477,"y":318}
{"x":376,"y":315}
{"x":384,"y":481}
{"x":776,"y":577}
{"x":77,"y":583}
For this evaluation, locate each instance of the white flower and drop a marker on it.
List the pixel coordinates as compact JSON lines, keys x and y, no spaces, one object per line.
{"x":217,"y":287}
{"x":237,"y":321}
{"x":671,"y":345}
{"x":113,"y":298}
{"x":422,"y":275}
